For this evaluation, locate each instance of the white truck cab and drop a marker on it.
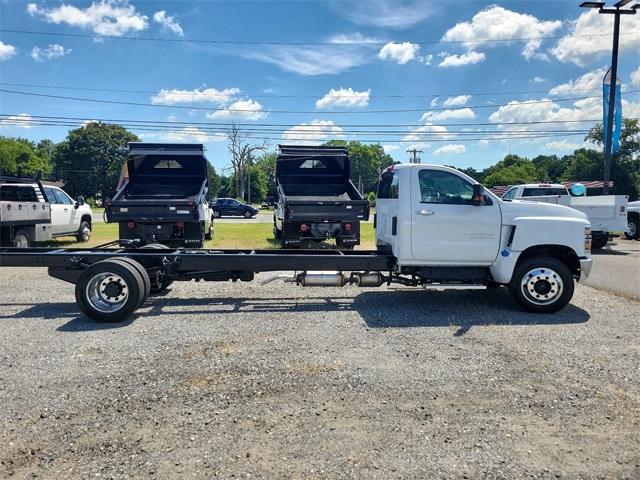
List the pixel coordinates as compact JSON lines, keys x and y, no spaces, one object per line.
{"x":437,"y":221}
{"x":69,"y":217}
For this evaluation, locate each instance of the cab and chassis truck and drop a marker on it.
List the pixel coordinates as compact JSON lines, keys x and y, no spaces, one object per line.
{"x":434,"y":225}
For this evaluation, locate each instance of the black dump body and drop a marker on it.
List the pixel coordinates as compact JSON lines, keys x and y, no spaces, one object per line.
{"x":161,"y":199}
{"x":317,"y":200}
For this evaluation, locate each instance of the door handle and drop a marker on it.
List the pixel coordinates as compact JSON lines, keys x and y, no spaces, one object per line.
{"x":66,"y":209}
{"x":425,"y":212}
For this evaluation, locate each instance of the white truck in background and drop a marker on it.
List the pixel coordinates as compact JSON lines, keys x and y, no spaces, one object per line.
{"x":607,"y":213}
{"x":633,"y":221}
{"x":32,"y":212}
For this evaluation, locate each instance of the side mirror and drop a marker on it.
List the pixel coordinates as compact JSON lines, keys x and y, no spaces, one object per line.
{"x":79,"y":201}
{"x":478,"y":195}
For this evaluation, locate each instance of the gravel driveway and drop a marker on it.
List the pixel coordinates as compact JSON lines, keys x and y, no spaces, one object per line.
{"x":275,"y":381}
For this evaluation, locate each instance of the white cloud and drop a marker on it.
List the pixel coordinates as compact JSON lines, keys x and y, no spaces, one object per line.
{"x":168,"y":22}
{"x":584,"y":42}
{"x":352,"y":38}
{"x":588,"y":81}
{"x":635,"y":77}
{"x":457,"y":101}
{"x":498,"y":23}
{"x":22,"y":120}
{"x":457,"y":114}
{"x":344,"y":97}
{"x":316,"y":60}
{"x":563,"y":145}
{"x":450,"y":149}
{"x":434,"y":102}
{"x":187,"y":134}
{"x":390,"y":147}
{"x":106,"y":17}
{"x":400,"y":53}
{"x":241,"y":109}
{"x":313,"y":132}
{"x":468,"y":58}
{"x":49,"y":53}
{"x":384,"y":13}
{"x":6,"y":51}
{"x":426,"y":59}
{"x":528,"y":111}
{"x":538,"y":80}
{"x":204,"y":95}
{"x":421,"y":135}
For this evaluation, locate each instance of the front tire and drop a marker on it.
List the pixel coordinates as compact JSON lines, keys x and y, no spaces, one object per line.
{"x":633,"y":233}
{"x":542,"y":284}
{"x":247,"y":214}
{"x":599,"y":241}
{"x":84,"y":232}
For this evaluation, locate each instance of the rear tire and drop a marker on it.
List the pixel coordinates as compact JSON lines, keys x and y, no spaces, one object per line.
{"x":633,"y":233}
{"x":21,"y":239}
{"x":542,"y":284}
{"x":599,"y":241}
{"x":277,"y":234}
{"x":109,"y":290}
{"x":146,"y":281}
{"x":84,"y":232}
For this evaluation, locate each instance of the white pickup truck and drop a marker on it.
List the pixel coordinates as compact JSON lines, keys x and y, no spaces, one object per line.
{"x":32,"y":212}
{"x":607,"y":213}
{"x":435,"y":227}
{"x":633,"y":220}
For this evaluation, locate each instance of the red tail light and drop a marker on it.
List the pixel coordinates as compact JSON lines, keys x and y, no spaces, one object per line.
{"x":304,"y":228}
{"x":180,"y":224}
{"x":131,"y":225}
{"x":347,"y":227}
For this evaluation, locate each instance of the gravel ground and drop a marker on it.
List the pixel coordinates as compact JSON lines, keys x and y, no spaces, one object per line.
{"x":225,"y":380}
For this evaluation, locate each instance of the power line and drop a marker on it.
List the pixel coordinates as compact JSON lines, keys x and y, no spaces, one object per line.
{"x":254,"y":95}
{"x":314,"y":112}
{"x":277,"y":43}
{"x":259,"y":124}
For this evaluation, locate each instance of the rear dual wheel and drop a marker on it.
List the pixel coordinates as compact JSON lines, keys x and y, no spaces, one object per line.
{"x":110,"y":290}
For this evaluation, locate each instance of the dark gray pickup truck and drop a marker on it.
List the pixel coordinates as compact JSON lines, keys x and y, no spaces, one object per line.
{"x":163,"y":200}
{"x":316,"y":198}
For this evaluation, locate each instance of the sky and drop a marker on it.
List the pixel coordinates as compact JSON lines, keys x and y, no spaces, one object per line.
{"x":464,"y":82}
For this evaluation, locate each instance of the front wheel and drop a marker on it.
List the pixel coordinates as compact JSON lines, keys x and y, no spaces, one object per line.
{"x":84,"y":232}
{"x":542,"y":284}
{"x":633,"y":233}
{"x":247,"y":214}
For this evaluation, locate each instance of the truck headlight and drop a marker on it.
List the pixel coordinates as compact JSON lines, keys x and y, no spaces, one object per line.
{"x":587,"y":239}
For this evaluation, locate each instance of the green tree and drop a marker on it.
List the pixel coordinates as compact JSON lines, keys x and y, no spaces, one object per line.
{"x":258,"y":183}
{"x":512,"y":170}
{"x":584,"y":164}
{"x":625,"y":165}
{"x":549,"y":168}
{"x":367,"y":161}
{"x":215,"y":181}
{"x":19,"y":156}
{"x":90,"y":159}
{"x":267,"y":163}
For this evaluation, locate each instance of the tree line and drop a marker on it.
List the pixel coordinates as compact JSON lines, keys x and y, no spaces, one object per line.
{"x":90,"y":159}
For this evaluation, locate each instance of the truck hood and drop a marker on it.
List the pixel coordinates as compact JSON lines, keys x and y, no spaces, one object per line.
{"x":521,"y":208}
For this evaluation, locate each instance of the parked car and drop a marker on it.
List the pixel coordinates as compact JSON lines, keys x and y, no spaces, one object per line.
{"x":633,"y":220}
{"x":268,"y":202}
{"x":32,"y":212}
{"x":230,"y":207}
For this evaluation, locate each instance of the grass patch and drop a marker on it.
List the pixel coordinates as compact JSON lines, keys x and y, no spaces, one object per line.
{"x":227,"y":235}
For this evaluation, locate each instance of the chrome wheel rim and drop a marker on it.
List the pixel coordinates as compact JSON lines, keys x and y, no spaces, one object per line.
{"x":107,"y":292}
{"x":541,"y":286}
{"x":86,"y":233}
{"x":21,"y":241}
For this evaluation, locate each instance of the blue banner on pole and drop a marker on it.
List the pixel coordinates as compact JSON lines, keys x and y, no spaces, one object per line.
{"x":617,"y":116}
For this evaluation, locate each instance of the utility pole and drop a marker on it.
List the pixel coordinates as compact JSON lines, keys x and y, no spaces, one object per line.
{"x":617,"y":11}
{"x":414,"y":155}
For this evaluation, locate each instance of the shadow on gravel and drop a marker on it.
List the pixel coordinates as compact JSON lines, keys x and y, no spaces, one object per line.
{"x":378,"y":309}
{"x":608,"y":251}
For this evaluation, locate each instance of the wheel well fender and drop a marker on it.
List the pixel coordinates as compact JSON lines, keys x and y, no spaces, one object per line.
{"x":86,"y":218}
{"x":633,"y":215}
{"x":560,"y":252}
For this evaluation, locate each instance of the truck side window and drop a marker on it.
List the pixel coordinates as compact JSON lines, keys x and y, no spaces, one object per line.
{"x":62,"y":197}
{"x":444,"y":187}
{"x":388,"y":187}
{"x":510,"y":195}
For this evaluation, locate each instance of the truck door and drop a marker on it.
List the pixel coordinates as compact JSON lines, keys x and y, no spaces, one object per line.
{"x":62,"y":211}
{"x":446,"y":226}
{"x":386,"y":208}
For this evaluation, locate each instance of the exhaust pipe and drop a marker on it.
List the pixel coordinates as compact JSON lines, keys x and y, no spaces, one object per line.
{"x":367,"y":279}
{"x":321,"y":279}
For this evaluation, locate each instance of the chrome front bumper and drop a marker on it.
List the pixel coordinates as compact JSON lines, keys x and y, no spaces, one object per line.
{"x":585,"y":268}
